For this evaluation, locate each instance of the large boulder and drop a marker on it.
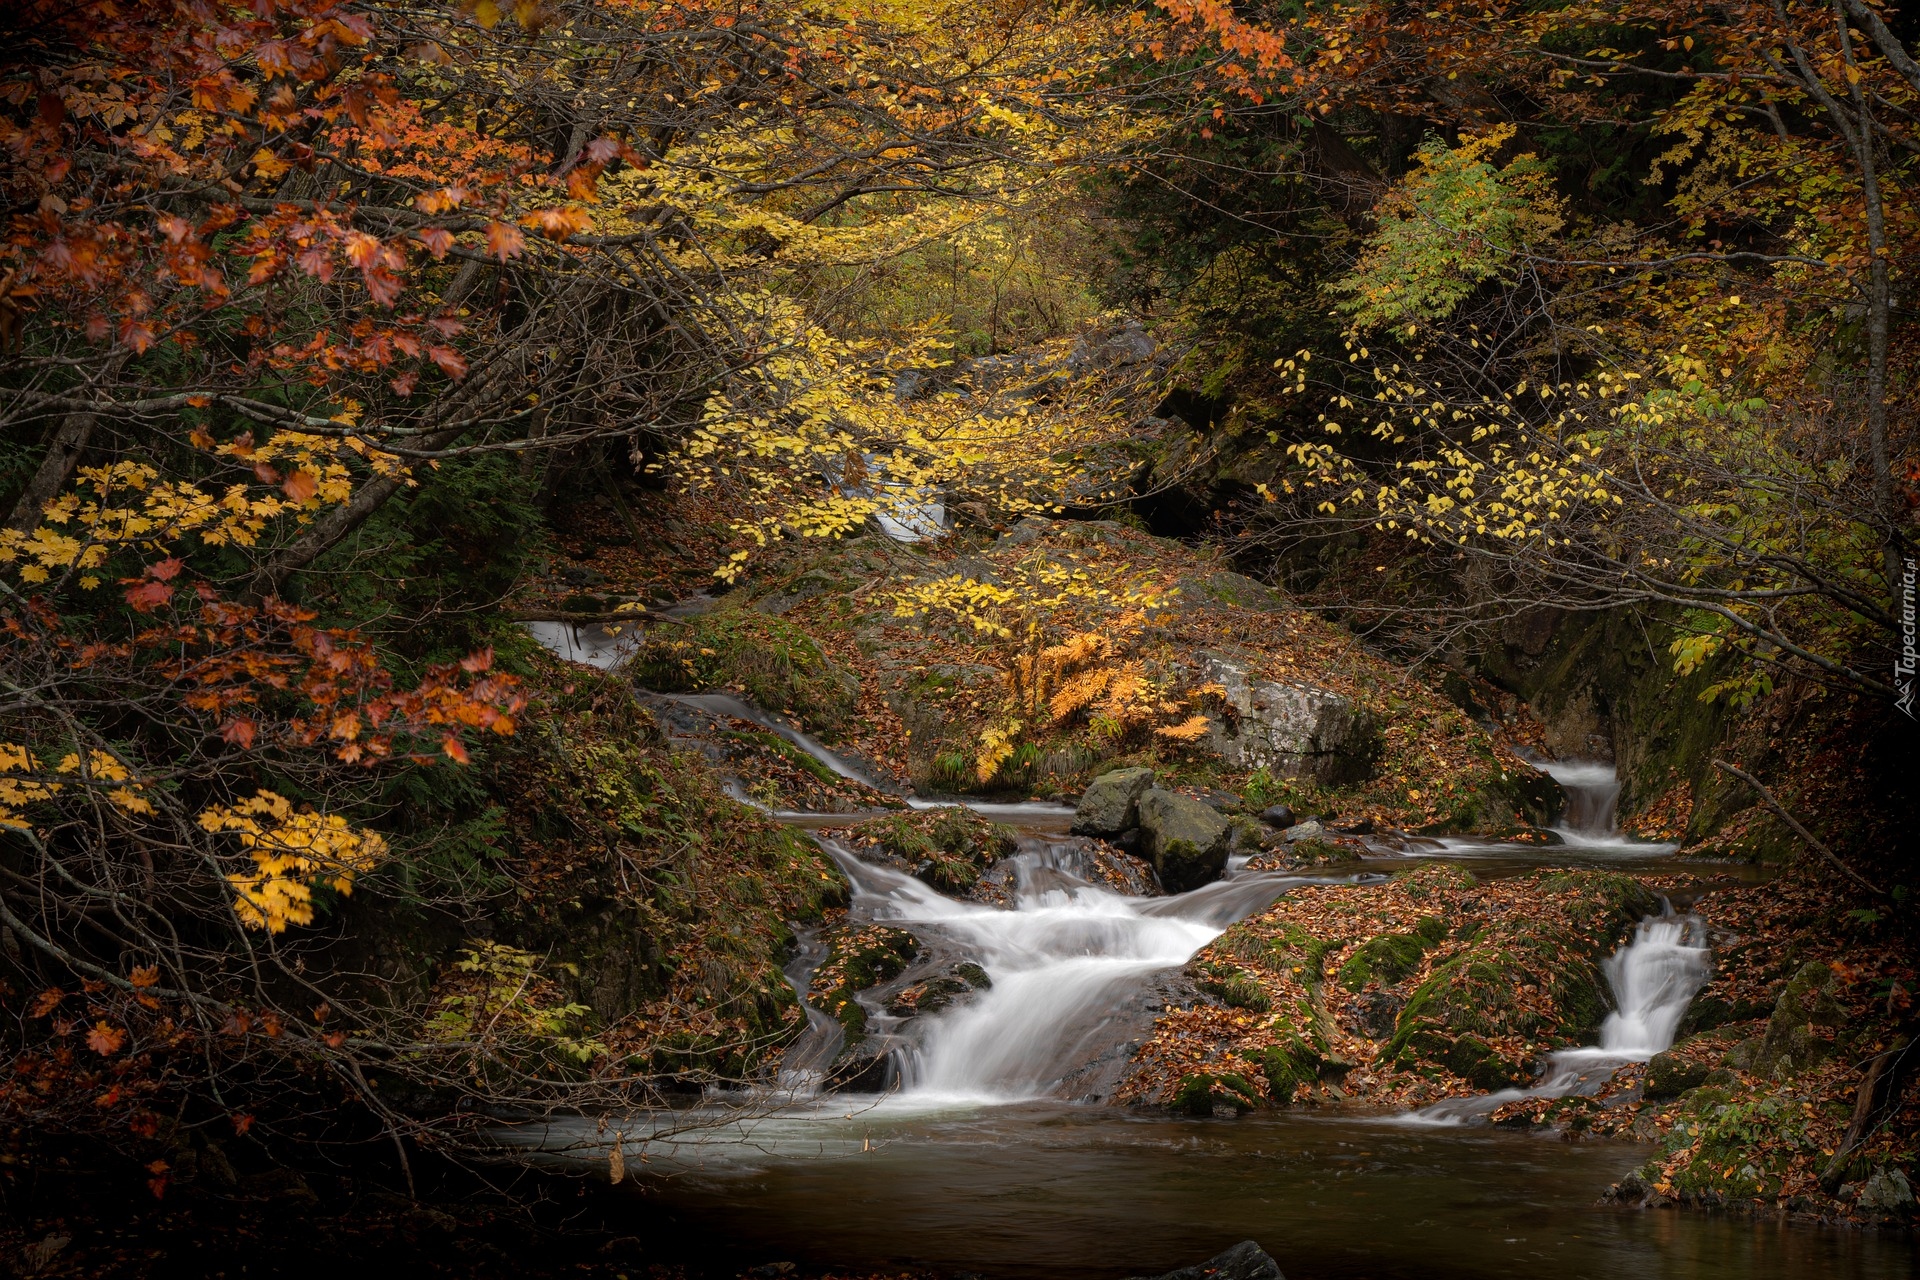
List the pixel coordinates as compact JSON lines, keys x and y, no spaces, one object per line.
{"x":1791,"y":1043}
{"x":1294,"y":731}
{"x":1110,"y":804}
{"x":1245,"y":1261}
{"x":1185,"y":840}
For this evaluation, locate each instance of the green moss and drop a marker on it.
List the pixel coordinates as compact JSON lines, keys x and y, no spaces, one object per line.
{"x":858,"y":959}
{"x":948,"y":848}
{"x":1293,"y":1062}
{"x":1233,"y":987}
{"x":1199,"y":1094}
{"x":776,"y":664}
{"x":1387,"y":959}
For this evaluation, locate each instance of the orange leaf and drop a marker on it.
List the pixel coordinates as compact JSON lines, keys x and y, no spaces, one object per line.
{"x":455,"y":749}
{"x":145,"y":976}
{"x":105,"y":1039}
{"x":504,"y":240}
{"x":46,"y":1002}
{"x":301,"y":485}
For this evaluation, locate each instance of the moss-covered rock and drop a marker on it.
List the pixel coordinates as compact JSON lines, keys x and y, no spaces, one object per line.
{"x":1111,"y":802}
{"x":775,"y":663}
{"x":1799,"y":1032}
{"x":859,"y":958}
{"x":948,"y":848}
{"x":1184,"y":839}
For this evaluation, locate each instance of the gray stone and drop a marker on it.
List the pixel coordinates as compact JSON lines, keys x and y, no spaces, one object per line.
{"x":1110,"y":803}
{"x":1279,"y":816}
{"x":1293,"y":730}
{"x":1245,"y":1261}
{"x":1790,"y":1045}
{"x":1308,"y":830}
{"x":1184,"y":840}
{"x":1887,"y":1191}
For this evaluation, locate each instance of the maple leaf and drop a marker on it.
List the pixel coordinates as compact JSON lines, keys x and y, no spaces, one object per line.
{"x":455,"y":749}
{"x":105,"y":1039}
{"x":46,"y":1002}
{"x":300,"y":485}
{"x":239,"y":732}
{"x":145,"y":976}
{"x":504,"y":240}
{"x":451,"y":362}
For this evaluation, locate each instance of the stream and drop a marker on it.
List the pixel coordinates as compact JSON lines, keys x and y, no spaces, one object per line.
{"x":990,"y":1150}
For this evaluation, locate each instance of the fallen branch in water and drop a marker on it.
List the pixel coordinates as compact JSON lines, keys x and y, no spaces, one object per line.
{"x":1813,"y":841}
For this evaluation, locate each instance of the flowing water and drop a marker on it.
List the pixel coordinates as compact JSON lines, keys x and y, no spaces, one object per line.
{"x":977,"y":1157}
{"x":1066,"y":962}
{"x":1654,"y":977}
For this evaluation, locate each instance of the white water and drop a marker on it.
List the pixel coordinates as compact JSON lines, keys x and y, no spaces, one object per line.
{"x":1654,"y":977}
{"x":1589,"y":826}
{"x":1064,"y":961}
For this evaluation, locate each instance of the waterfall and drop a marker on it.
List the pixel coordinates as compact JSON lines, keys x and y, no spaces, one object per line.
{"x":1593,"y":792}
{"x":1654,"y":977}
{"x":1068,"y":961}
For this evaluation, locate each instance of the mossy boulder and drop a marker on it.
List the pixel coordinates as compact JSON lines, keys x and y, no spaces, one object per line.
{"x":777,"y":665}
{"x":1793,"y":1040}
{"x":1110,"y":804}
{"x":1532,"y":979}
{"x":1204,"y":1093}
{"x":948,"y":848}
{"x":858,"y":959}
{"x":1185,"y":840}
{"x":1669,"y":1075}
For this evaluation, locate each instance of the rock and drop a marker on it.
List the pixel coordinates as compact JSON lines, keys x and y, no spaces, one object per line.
{"x":1110,"y":804}
{"x":1245,"y":1261}
{"x":1806,"y":1002}
{"x":1278,"y":816}
{"x":1293,"y":730}
{"x":1308,"y":830}
{"x":1184,"y":840}
{"x":1669,"y":1076}
{"x":1887,"y":1191}
{"x":1248,"y":836}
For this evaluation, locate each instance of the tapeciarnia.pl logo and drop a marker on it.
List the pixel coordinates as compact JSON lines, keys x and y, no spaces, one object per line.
{"x":1909,"y":659}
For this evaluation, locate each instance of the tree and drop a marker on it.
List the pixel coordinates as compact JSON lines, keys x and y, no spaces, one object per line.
{"x":273,"y":265}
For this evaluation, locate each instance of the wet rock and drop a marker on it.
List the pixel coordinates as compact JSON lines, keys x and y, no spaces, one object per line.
{"x":1292,"y":730}
{"x":1110,"y":803}
{"x":1278,"y":816}
{"x":1184,"y":839}
{"x":864,"y":1068}
{"x":1245,"y":1261}
{"x":1669,"y":1076}
{"x":1308,"y":830}
{"x":942,"y":991}
{"x":949,"y":849}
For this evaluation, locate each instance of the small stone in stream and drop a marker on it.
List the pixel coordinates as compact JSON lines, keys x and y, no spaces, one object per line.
{"x":1245,"y":1261}
{"x":1110,"y":803}
{"x":1308,"y":830}
{"x":1185,"y":840}
{"x":1279,"y":816}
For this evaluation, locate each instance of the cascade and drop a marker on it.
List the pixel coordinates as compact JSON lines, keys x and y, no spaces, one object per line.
{"x":1654,"y":977}
{"x":1066,"y":959}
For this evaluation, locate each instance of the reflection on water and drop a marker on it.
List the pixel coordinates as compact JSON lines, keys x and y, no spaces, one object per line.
{"x":1046,"y":1190}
